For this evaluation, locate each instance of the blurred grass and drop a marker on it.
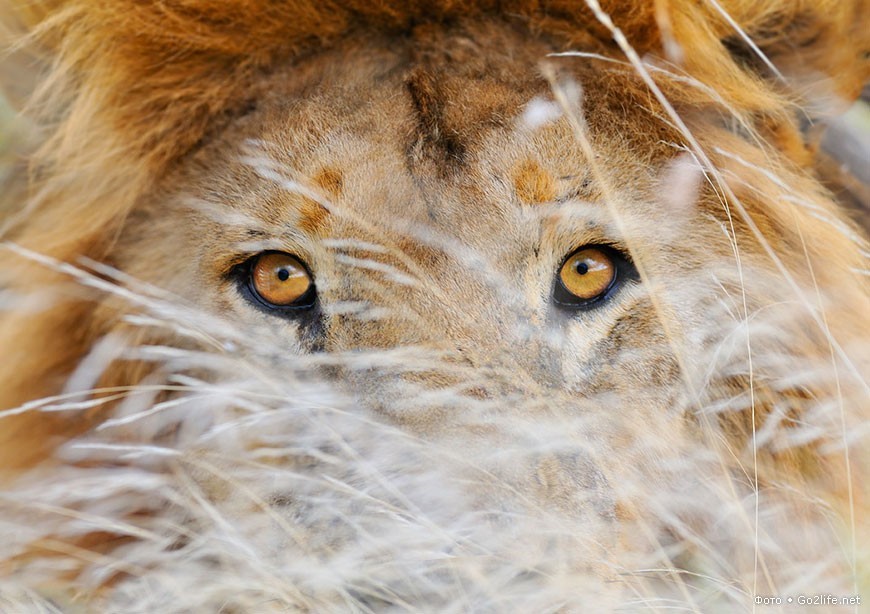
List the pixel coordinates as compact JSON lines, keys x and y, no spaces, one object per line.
{"x":7,"y":131}
{"x":7,"y":117}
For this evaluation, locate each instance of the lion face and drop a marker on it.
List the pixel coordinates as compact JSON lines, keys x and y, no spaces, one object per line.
{"x":419,"y":204}
{"x":450,"y":209}
{"x":426,"y":206}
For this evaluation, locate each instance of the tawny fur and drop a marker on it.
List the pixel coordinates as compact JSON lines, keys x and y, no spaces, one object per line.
{"x":163,"y":124}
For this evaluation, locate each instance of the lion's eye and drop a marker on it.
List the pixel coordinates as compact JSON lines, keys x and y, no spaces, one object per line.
{"x":281,"y":280}
{"x":586,"y":276}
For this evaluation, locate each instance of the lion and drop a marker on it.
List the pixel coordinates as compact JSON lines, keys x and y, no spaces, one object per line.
{"x":487,"y":306}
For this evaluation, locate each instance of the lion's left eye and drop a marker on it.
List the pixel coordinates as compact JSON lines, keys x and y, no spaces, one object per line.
{"x":281,"y":280}
{"x":587,"y":276}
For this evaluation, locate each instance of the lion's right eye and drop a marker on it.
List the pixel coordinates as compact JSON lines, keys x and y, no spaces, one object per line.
{"x":589,"y":275}
{"x":281,"y":281}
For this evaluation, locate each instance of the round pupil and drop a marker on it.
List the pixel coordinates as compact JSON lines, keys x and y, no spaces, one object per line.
{"x":283,"y":274}
{"x":582,"y":268}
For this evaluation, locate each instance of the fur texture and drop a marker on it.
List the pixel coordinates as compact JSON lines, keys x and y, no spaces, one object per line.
{"x":438,"y":434}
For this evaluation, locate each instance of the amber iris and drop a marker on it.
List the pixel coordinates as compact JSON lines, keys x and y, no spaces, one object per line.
{"x":280,"y":279}
{"x":588,"y":273}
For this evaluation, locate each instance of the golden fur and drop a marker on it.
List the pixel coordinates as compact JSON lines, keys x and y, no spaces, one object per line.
{"x":395,"y":146}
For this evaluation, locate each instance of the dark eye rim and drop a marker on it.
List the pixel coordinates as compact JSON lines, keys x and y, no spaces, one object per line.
{"x":243,"y":274}
{"x":624,"y":271}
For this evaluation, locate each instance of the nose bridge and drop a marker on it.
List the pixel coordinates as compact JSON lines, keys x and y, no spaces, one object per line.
{"x":509,"y":344}
{"x":454,"y":300}
{"x":532,"y":363}
{"x":512,"y":334}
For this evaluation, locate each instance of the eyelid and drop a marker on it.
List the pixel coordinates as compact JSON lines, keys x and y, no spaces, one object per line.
{"x":570,"y":226}
{"x":245,"y":251}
